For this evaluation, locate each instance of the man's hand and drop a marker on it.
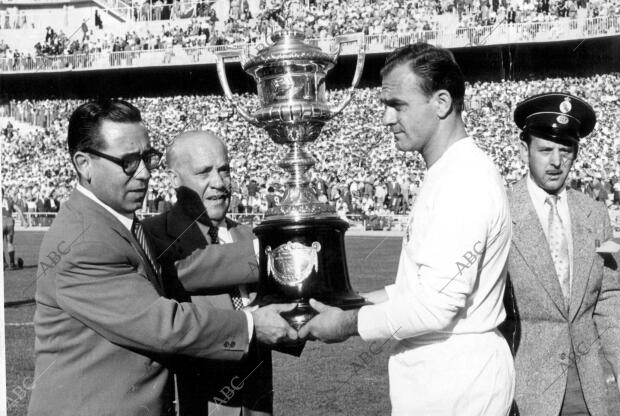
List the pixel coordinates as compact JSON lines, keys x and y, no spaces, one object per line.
{"x":330,"y":325}
{"x":269,"y":326}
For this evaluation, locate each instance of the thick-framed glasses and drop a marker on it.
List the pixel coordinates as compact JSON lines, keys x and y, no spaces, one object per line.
{"x":131,"y":162}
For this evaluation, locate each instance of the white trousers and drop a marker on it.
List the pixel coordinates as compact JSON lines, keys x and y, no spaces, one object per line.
{"x":464,"y":375}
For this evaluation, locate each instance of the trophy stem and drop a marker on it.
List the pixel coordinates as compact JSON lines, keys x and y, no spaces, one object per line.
{"x":299,"y":199}
{"x":296,"y":163}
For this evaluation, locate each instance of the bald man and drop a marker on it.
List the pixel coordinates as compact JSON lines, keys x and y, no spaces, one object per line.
{"x":195,"y":242}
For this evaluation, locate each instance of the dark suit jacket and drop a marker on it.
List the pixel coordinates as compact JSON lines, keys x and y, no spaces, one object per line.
{"x":40,"y":202}
{"x":511,"y":16}
{"x":103,"y":330}
{"x":47,"y":205}
{"x":540,"y":328}
{"x":186,"y":254}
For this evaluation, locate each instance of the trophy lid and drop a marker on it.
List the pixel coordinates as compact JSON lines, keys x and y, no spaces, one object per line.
{"x":289,"y":45}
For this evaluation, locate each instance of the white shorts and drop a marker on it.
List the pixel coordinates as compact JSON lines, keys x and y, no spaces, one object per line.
{"x":464,"y":375}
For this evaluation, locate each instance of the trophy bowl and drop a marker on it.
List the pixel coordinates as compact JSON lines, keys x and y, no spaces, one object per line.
{"x":301,"y":240}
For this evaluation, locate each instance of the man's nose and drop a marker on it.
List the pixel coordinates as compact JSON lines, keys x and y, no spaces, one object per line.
{"x":556,"y":158}
{"x":142,"y":172}
{"x":389,"y":116}
{"x":216,"y":181}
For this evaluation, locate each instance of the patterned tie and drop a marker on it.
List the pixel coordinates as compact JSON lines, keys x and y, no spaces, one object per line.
{"x":138,"y":232}
{"x":235,"y":294}
{"x":558,"y":244}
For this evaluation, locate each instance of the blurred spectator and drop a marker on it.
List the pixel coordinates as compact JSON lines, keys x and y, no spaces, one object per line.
{"x":98,"y":21}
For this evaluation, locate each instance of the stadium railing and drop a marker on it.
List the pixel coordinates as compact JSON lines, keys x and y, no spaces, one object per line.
{"x":38,"y":220}
{"x":34,"y":219}
{"x":120,"y":7}
{"x":504,"y":33}
{"x":363,"y":222}
{"x":393,"y":222}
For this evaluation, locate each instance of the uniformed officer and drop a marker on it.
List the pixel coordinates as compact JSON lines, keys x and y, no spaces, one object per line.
{"x":563,"y":302}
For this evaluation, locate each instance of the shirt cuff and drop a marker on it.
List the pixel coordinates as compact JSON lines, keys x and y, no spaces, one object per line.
{"x":373,"y":323}
{"x":250,"y":326}
{"x":256,"y":246}
{"x":391,"y":291}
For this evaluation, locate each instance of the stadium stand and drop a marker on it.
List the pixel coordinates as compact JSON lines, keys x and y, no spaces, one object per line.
{"x":358,"y":169}
{"x":190,"y":32}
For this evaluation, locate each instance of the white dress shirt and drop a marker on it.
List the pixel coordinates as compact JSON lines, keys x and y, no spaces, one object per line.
{"x":223,"y":234}
{"x":448,"y":297}
{"x":538,"y":196}
{"x":225,"y":237}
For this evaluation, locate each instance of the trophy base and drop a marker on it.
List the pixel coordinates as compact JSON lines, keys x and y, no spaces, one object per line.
{"x":302,"y":259}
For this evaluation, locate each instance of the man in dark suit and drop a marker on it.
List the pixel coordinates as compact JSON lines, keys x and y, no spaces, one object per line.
{"x":51,"y":204}
{"x":195,"y":238}
{"x":512,"y":15}
{"x":564,"y":304}
{"x":104,"y":331}
{"x":39,"y":201}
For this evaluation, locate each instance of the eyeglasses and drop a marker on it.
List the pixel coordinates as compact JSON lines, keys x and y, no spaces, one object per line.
{"x":130,"y":163}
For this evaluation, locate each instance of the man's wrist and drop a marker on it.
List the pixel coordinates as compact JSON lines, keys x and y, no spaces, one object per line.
{"x":351,"y":322}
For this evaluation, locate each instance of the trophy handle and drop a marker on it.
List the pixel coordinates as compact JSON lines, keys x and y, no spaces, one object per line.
{"x":359,"y":68}
{"x":221,"y":74}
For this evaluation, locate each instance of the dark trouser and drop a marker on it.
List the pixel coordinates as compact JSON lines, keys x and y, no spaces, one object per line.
{"x":245,"y":384}
{"x":8,"y":233}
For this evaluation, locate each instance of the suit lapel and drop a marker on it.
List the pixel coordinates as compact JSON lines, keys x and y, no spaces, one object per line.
{"x":530,"y":242}
{"x":583,"y":251}
{"x":120,"y":229}
{"x":152,"y":274}
{"x":184,"y":230}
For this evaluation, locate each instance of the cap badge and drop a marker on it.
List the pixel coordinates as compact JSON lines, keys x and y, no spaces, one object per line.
{"x":565,"y":106}
{"x":562,"y":119}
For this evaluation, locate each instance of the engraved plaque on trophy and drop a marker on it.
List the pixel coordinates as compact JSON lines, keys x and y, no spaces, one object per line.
{"x":302,"y":252}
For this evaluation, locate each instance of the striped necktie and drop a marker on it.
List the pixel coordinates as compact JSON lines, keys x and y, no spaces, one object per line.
{"x":138,"y":232}
{"x":558,"y":245}
{"x":235,"y":294}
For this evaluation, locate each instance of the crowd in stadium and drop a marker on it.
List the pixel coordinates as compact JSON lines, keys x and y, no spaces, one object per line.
{"x":191,"y":24}
{"x":358,"y":169}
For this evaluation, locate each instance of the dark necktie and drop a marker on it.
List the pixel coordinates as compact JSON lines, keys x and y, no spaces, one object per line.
{"x":235,"y":294}
{"x":138,"y":232}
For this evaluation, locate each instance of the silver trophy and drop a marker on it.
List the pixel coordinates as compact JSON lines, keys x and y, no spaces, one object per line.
{"x":302,"y":252}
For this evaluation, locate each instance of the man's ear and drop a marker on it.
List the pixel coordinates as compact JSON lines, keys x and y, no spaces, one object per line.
{"x":174,"y":178}
{"x":524,"y":152}
{"x":83,"y":164}
{"x":443,"y":103}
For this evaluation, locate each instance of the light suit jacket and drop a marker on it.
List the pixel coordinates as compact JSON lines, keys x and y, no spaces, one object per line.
{"x":104,"y":332}
{"x":540,"y":329}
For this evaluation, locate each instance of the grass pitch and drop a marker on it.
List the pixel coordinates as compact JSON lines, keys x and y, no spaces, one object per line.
{"x":336,"y":379}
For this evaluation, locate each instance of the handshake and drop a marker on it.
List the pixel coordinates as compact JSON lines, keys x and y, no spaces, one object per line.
{"x":331,"y":324}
